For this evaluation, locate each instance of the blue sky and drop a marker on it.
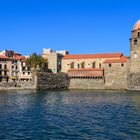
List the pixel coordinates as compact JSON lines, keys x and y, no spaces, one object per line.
{"x":80,"y":26}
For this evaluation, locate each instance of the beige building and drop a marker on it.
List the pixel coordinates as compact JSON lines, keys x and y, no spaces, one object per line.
{"x":54,"y":59}
{"x":83,"y":61}
{"x":4,"y":68}
{"x":12,"y":67}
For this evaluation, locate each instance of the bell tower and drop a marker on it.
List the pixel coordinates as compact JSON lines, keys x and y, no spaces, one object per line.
{"x":135,"y":42}
{"x":135,"y":48}
{"x":134,"y":63}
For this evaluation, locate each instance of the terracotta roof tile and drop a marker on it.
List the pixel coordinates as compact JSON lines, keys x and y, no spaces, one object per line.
{"x":87,"y":69}
{"x":88,"y":56}
{"x":121,"y":60}
{"x":20,"y":57}
{"x":2,"y":56}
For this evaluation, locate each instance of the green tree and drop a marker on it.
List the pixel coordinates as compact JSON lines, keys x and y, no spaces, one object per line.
{"x":36,"y":60}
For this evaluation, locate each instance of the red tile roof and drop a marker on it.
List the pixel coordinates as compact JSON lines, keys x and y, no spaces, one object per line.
{"x":5,"y":57}
{"x":87,"y":69}
{"x":88,"y":56}
{"x":121,"y":60}
{"x":20,"y":57}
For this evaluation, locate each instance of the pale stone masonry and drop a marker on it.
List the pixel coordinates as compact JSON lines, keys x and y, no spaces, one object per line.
{"x":54,"y":59}
{"x":119,"y":71}
{"x":81,"y":71}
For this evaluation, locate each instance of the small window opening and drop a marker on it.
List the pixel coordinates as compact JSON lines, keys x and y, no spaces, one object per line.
{"x":138,"y":34}
{"x":122,"y":65}
{"x":78,"y":66}
{"x":110,"y":65}
{"x":135,"y":42}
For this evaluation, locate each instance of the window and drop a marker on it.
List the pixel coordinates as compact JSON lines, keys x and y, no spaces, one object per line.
{"x":93,"y":65}
{"x":23,"y":73}
{"x":83,"y":65}
{"x":110,"y":65}
{"x":100,"y":65}
{"x":12,"y":62}
{"x":0,"y":66}
{"x":138,"y":34}
{"x":72,"y":65}
{"x":122,"y":64}
{"x":5,"y":66}
{"x":28,"y":68}
{"x":16,"y":67}
{"x":28,"y":73}
{"x":23,"y":68}
{"x":12,"y":67}
{"x":5,"y":72}
{"x":0,"y":72}
{"x":78,"y":66}
{"x":135,"y":42}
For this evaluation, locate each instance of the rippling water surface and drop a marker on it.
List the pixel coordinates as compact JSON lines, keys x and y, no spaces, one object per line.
{"x":69,"y":115}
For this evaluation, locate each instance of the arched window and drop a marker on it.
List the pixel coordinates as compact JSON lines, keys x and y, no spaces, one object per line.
{"x":93,"y":65}
{"x":83,"y":65}
{"x":78,"y":66}
{"x":72,"y":65}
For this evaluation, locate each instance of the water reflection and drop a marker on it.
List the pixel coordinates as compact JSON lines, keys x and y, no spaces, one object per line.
{"x":69,"y":115}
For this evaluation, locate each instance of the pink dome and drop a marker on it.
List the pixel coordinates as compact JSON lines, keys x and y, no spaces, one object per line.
{"x":137,"y":25}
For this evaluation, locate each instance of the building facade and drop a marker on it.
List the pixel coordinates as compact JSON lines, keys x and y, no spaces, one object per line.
{"x":13,"y":67}
{"x":115,"y":70}
{"x":54,"y":59}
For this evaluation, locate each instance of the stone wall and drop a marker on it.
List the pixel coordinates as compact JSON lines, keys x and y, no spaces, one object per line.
{"x":116,"y":76}
{"x":17,"y":84}
{"x":51,"y":81}
{"x":86,"y":83}
{"x":8,"y":84}
{"x":26,"y":84}
{"x":134,"y":83}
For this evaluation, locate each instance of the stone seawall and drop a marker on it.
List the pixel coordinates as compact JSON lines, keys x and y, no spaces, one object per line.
{"x":17,"y":85}
{"x":51,"y":81}
{"x":134,"y":83}
{"x":86,"y":83}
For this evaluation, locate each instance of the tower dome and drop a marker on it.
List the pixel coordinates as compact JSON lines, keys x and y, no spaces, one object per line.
{"x":137,"y":25}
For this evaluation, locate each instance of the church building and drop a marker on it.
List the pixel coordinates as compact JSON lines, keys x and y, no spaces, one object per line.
{"x":106,"y":70}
